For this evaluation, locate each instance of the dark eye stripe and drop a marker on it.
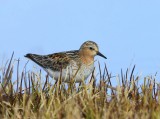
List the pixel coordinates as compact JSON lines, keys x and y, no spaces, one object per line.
{"x":91,"y":48}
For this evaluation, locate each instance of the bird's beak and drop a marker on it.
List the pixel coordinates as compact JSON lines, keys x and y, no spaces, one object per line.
{"x":100,"y":54}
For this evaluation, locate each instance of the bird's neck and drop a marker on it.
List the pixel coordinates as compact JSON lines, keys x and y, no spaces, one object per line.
{"x":86,"y":59}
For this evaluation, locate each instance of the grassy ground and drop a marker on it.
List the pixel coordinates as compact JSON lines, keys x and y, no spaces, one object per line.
{"x":29,"y":98}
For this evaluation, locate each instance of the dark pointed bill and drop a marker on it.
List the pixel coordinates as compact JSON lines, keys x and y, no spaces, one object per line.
{"x":100,"y":54}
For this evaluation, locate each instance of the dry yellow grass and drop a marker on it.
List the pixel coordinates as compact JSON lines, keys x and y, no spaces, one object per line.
{"x":29,"y":98}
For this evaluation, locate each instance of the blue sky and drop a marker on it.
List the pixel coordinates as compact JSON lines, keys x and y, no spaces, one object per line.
{"x":127,"y":31}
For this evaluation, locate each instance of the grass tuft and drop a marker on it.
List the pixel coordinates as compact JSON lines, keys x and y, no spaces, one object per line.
{"x":29,"y":97}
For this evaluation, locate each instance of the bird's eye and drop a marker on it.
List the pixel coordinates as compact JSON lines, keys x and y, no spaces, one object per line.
{"x":91,"y":48}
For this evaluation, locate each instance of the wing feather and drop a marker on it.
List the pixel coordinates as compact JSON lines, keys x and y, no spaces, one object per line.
{"x":55,"y":62}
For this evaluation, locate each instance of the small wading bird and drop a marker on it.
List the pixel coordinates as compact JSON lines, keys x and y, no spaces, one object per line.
{"x":76,"y":64}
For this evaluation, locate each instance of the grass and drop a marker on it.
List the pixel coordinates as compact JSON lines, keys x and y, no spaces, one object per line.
{"x":29,"y":98}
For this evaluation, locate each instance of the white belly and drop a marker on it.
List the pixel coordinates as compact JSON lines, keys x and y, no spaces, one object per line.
{"x":72,"y":73}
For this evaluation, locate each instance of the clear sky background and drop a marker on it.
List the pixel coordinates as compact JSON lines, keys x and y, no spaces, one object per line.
{"x":127,"y":31}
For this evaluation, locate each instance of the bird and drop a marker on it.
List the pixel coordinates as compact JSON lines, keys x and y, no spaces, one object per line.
{"x":76,"y":65}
